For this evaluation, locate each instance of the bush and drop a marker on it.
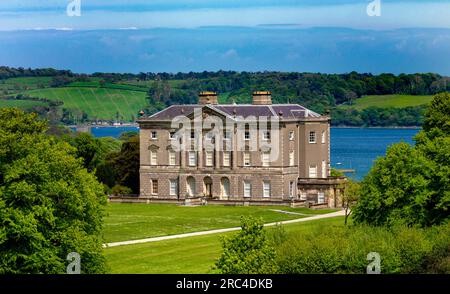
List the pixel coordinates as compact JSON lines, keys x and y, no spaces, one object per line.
{"x":345,"y":249}
{"x":120,"y":190}
{"x":248,"y":252}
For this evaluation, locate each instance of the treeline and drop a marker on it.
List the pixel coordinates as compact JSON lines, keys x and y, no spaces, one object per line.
{"x":10,"y":72}
{"x":320,"y":92}
{"x":379,"y":117}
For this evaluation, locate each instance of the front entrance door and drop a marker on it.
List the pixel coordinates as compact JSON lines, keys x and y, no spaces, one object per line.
{"x":208,"y":187}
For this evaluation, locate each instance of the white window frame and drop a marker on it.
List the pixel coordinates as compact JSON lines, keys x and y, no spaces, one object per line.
{"x":192,"y":156}
{"x":266,"y":189}
{"x":323,"y":137}
{"x":209,"y":158}
{"x":247,"y":161}
{"x":320,"y":197}
{"x":173,"y":187}
{"x":265,"y":158}
{"x":311,"y":174}
{"x":172,"y":157}
{"x":312,"y":137}
{"x":153,"y":187}
{"x":247,"y":189}
{"x":154,"y":135}
{"x":291,"y":158}
{"x":153,"y":157}
{"x":247,"y":136}
{"x":266,"y":136}
{"x":226,"y":158}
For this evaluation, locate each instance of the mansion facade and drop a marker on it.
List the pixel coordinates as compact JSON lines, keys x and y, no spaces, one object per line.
{"x":259,"y":153}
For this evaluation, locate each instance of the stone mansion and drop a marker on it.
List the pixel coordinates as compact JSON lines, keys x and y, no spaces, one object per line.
{"x":259,"y":153}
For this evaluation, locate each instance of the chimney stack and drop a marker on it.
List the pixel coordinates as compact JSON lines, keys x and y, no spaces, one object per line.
{"x":262,"y":98}
{"x":207,"y":97}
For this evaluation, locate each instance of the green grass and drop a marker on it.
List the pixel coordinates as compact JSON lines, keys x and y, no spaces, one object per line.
{"x":193,"y":255}
{"x":15,"y":85}
{"x":397,"y":101}
{"x":138,"y":221}
{"x":98,"y":103}
{"x":22,"y":104}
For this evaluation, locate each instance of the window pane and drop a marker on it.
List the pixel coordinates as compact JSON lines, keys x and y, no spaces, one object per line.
{"x":312,"y":137}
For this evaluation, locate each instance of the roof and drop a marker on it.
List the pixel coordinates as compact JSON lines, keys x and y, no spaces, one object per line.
{"x":283,"y":111}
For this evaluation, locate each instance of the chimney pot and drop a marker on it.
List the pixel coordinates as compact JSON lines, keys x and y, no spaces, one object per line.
{"x":207,"y":97}
{"x":262,"y":98}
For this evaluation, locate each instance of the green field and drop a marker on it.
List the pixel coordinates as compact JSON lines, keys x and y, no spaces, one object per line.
{"x":98,"y":103}
{"x":193,"y":255}
{"x":23,"y":104}
{"x":397,"y":101}
{"x":15,"y":85}
{"x":137,"y":221}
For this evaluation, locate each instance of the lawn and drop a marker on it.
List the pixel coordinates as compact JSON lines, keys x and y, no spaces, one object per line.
{"x":98,"y":103}
{"x":137,"y":221}
{"x":193,"y":255}
{"x":397,"y":101}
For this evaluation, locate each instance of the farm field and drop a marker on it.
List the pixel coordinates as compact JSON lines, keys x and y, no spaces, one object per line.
{"x":23,"y":104}
{"x":397,"y":101}
{"x":98,"y":103}
{"x":136,"y":221}
{"x":193,"y":255}
{"x":15,"y":85}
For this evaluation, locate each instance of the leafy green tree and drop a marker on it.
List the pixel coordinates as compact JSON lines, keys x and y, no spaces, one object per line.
{"x":350,"y":197}
{"x":437,"y":116}
{"x":247,"y":252}
{"x":50,"y":205}
{"x":88,"y":148}
{"x":412,"y":184}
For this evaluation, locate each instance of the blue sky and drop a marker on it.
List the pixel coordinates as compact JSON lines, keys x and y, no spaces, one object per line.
{"x":175,"y":35}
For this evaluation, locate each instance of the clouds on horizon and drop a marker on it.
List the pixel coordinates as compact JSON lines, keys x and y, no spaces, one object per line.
{"x":328,"y":50}
{"x":114,"y":14}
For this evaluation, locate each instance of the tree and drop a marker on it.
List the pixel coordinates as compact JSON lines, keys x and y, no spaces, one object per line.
{"x":350,"y":197}
{"x":122,"y":168}
{"x":437,"y":116}
{"x":248,"y":252}
{"x":50,"y":205}
{"x":88,"y":149}
{"x":411,"y":185}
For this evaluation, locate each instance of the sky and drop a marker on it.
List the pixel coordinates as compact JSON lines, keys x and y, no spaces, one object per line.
{"x":245,"y":35}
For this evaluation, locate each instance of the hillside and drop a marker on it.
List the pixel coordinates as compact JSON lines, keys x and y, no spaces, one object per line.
{"x":384,"y":101}
{"x":354,"y":99}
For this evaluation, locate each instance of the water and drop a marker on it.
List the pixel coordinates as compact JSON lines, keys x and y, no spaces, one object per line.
{"x":351,"y":148}
{"x":112,"y":131}
{"x":357,"y":148}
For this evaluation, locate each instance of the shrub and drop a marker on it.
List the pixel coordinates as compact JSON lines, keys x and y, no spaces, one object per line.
{"x":120,"y":190}
{"x":248,"y":252}
{"x":344,"y":250}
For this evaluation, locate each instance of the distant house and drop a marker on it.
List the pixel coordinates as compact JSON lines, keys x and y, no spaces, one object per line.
{"x":259,"y":153}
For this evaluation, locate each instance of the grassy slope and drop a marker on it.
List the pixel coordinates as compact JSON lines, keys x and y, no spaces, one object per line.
{"x":21,"y":103}
{"x":100,"y":103}
{"x":137,"y":221}
{"x":192,"y":255}
{"x":398,"y":101}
